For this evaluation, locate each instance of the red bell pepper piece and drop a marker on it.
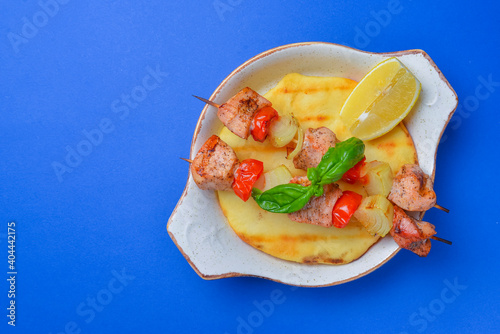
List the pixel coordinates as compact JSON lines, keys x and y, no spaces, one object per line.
{"x":344,"y":208}
{"x":354,"y":174}
{"x":245,"y":176}
{"x":261,"y":123}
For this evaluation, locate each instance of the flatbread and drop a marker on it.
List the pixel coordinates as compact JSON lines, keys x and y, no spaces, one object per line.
{"x":315,"y":102}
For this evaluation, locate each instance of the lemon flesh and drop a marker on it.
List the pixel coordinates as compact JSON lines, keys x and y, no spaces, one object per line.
{"x":380,"y":100}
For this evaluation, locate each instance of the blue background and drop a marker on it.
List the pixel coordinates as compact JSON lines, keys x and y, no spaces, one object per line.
{"x":78,"y":231}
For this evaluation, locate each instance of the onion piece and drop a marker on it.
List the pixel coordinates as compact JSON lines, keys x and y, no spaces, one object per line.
{"x":282,"y":130}
{"x":379,"y":177}
{"x":277,"y":176}
{"x":300,"y":141}
{"x":375,"y":213}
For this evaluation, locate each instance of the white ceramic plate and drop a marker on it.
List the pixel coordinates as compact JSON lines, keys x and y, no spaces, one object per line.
{"x":197,"y":225}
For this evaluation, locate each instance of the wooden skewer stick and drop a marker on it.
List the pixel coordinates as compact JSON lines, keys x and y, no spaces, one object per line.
{"x":437,"y":206}
{"x":213,"y":104}
{"x":190,"y":161}
{"x":441,"y":239}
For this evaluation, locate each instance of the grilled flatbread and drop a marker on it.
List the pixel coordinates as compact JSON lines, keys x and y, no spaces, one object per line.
{"x":315,"y":102}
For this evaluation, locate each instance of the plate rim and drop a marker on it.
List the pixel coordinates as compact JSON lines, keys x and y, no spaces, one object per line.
{"x":217,"y":91}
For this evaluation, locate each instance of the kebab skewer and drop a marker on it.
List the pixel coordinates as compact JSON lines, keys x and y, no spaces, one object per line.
{"x":248,"y":112}
{"x":411,"y":188}
{"x":216,"y":167}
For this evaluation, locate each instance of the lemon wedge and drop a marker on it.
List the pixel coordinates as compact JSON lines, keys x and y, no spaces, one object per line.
{"x":380,"y":100}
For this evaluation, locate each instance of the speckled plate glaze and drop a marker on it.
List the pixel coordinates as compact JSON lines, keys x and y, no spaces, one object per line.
{"x":197,"y":225}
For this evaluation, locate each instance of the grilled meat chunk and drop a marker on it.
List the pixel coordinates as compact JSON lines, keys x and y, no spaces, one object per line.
{"x":412,"y":189}
{"x":238,"y":112}
{"x":214,"y":165}
{"x":302,"y":180}
{"x":316,"y":143}
{"x":410,"y":233}
{"x":318,"y":210}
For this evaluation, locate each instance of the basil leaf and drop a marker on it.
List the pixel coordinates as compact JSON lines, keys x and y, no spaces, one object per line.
{"x":291,"y":197}
{"x":312,"y":175}
{"x":318,"y":190}
{"x":285,"y":198}
{"x":339,"y":159}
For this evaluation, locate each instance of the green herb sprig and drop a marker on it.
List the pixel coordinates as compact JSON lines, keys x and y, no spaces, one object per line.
{"x":290,"y":197}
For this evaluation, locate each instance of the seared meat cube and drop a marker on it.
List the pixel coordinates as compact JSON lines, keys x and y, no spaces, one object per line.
{"x":214,"y":165}
{"x":316,"y":143}
{"x":238,"y":112}
{"x":302,"y":180}
{"x":318,"y":210}
{"x":412,"y":189}
{"x":410,"y":233}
